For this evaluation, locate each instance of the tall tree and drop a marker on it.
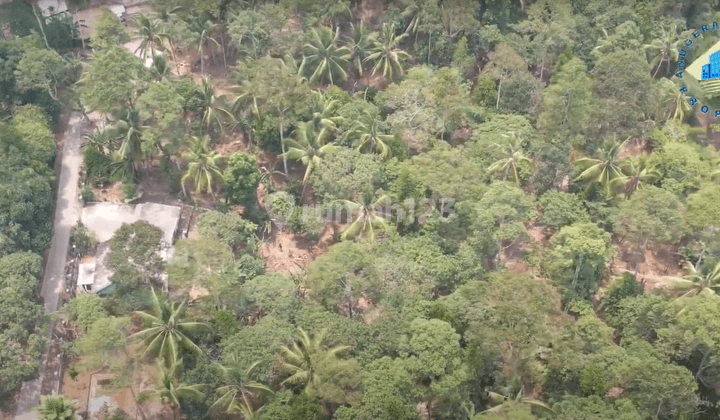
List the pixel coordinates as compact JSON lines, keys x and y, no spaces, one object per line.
{"x":367,"y":135}
{"x":203,"y":166}
{"x":505,"y":63}
{"x":512,"y":158}
{"x":360,"y":41}
{"x":664,"y":49}
{"x":308,"y":147}
{"x":169,"y":391}
{"x":323,"y":59}
{"x":369,"y":215}
{"x":300,"y":359}
{"x":203,"y":37}
{"x":240,"y":391}
{"x":388,"y":58}
{"x":214,"y":109}
{"x":605,"y":168}
{"x":168,"y":330}
{"x":151,"y":35}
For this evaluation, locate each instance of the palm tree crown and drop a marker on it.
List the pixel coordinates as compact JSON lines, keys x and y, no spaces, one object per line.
{"x":238,"y":393}
{"x":150,"y":31}
{"x":168,"y":329}
{"x":56,"y":407}
{"x":169,"y":391}
{"x":360,"y":41}
{"x":369,"y":216}
{"x":604,"y":169}
{"x":695,"y":282}
{"x":214,"y":109}
{"x":323,"y":59}
{"x":203,"y":165}
{"x":299,"y":359}
{"x":388,"y":59}
{"x":308,"y":147}
{"x":513,"y":158}
{"x":367,"y":135}
{"x":664,"y":49}
{"x":637,"y":173}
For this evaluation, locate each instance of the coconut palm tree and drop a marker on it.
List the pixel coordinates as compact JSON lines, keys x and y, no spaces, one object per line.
{"x":159,"y":68}
{"x":513,"y":158}
{"x":360,"y":41}
{"x":127,"y":130}
{"x":300,"y":358}
{"x":499,"y":400}
{"x":214,"y":108}
{"x":664,"y":49}
{"x":203,"y":166}
{"x":169,"y":391}
{"x":56,"y":407}
{"x":637,"y":173}
{"x":203,"y":30}
{"x":605,"y":168}
{"x":151,"y":32}
{"x":388,"y":59}
{"x":675,"y":102}
{"x":237,"y":395}
{"x":324,"y":119}
{"x":369,"y":216}
{"x":168,"y":329}
{"x":323,"y":59}
{"x":368,"y":136}
{"x":308,"y":147}
{"x":694,"y":282}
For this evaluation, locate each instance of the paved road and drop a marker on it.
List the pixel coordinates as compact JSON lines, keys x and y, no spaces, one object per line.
{"x":67,"y":210}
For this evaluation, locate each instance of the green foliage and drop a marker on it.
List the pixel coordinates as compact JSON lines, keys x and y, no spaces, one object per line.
{"x":56,"y":407}
{"x":108,"y":31}
{"x":85,"y":309}
{"x":592,"y":380}
{"x":625,"y":287}
{"x":241,"y":179}
{"x":702,"y":211}
{"x":134,"y":254}
{"x":19,"y":311}
{"x":200,"y":262}
{"x":577,"y":258}
{"x":110,"y":80}
{"x":227,"y":228}
{"x":561,"y":209}
{"x":31,"y":123}
{"x":82,"y":240}
{"x":103,"y":342}
{"x":681,"y":166}
{"x":651,"y":215}
{"x":97,"y":166}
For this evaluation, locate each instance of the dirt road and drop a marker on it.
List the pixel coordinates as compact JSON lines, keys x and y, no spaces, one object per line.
{"x":67,"y":211}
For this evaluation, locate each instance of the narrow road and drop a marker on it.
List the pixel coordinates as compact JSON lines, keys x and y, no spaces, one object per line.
{"x":67,"y":210}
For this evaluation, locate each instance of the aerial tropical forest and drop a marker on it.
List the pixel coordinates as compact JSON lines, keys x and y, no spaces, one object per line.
{"x":359,"y":209}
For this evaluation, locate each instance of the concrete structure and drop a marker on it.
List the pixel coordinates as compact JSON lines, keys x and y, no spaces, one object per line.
{"x":104,"y":219}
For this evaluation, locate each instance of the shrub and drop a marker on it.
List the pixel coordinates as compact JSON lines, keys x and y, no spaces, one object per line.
{"x":82,"y":240}
{"x":228,"y":228}
{"x":85,"y":309}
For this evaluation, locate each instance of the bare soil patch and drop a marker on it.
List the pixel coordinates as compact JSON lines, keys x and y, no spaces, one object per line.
{"x":634,"y":148}
{"x":370,"y":11}
{"x":287,"y":252}
{"x":652,"y":266}
{"x":111,"y":193}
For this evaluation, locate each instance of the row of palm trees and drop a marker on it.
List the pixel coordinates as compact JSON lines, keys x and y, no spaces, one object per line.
{"x":167,"y":331}
{"x":324,"y":59}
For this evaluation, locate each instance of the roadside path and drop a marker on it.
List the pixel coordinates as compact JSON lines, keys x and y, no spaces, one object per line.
{"x":67,"y":210}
